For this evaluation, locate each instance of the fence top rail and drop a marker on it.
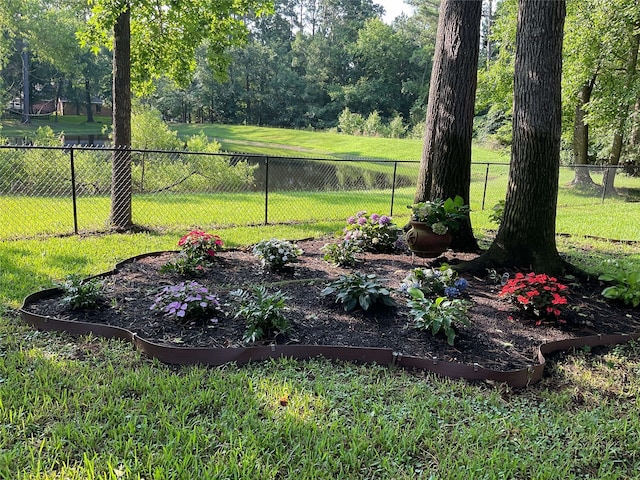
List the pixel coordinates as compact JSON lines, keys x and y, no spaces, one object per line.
{"x":101,"y":148}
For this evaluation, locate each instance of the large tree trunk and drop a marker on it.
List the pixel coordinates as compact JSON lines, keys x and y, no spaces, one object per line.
{"x":26,"y":84}
{"x":618,"y":136}
{"x":526,"y":238}
{"x":582,"y":177}
{"x":445,"y":169}
{"x":121,"y":168}
{"x":87,"y":96}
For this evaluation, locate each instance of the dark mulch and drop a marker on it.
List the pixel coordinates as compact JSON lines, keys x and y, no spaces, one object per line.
{"x":498,"y":337}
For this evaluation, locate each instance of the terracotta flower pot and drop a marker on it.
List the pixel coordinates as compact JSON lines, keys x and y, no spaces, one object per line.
{"x":424,"y":243}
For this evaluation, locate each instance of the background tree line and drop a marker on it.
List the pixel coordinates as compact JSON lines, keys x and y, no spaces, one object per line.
{"x":327,"y":63}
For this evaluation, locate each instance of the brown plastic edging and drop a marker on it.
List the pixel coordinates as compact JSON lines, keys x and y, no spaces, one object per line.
{"x":242,"y":355}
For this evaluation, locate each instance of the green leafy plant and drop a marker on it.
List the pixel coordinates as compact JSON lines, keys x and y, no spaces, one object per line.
{"x":374,"y":233}
{"x":275,"y":254}
{"x":197,"y":249}
{"x":435,"y":281}
{"x":79,"y":293}
{"x":358,"y":290}
{"x":440,"y":215}
{"x":497,"y":212}
{"x":536,"y":294}
{"x":188,"y":302}
{"x":264,"y":312}
{"x":343,"y":254}
{"x":440,"y":314}
{"x":626,"y":288}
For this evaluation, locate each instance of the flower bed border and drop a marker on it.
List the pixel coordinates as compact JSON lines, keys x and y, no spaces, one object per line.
{"x":241,"y":355}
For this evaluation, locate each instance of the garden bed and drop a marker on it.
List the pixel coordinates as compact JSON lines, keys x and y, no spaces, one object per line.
{"x":498,"y":338}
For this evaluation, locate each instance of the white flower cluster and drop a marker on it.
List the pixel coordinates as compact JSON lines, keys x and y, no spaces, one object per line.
{"x":275,"y":254}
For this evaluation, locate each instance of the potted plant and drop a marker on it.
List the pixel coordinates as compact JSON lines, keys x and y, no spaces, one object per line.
{"x":432,"y":223}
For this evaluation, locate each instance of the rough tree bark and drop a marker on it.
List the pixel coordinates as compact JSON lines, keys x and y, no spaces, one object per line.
{"x":582,"y":176}
{"x":87,"y":99}
{"x":618,"y":136}
{"x":120,"y":217}
{"x":526,"y":237}
{"x":445,"y":169}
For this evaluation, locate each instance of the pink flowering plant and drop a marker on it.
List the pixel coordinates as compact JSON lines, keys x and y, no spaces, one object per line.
{"x":188,"y":303}
{"x":197,"y":249}
{"x":536,"y":294}
{"x":373,"y":233}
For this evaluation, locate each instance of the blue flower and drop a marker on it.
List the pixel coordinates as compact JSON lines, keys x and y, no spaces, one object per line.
{"x":451,"y":292}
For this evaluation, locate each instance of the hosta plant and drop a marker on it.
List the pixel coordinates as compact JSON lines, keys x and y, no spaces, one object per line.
{"x":275,"y":254}
{"x":79,"y":293}
{"x":536,"y":294}
{"x":374,"y":233}
{"x":188,"y":302}
{"x":439,"y":314}
{"x":263,"y":311}
{"x":626,"y":286}
{"x":359,"y":290}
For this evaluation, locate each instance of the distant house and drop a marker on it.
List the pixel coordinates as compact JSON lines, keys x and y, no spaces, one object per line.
{"x":98,"y":108}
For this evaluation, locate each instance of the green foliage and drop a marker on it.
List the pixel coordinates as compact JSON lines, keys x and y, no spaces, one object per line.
{"x":150,"y":132}
{"x":440,"y":215}
{"x":188,"y":303}
{"x":343,"y":254}
{"x":626,"y":286}
{"x":263,"y":311}
{"x":359,"y":290}
{"x":79,"y":294}
{"x":441,"y":281}
{"x":397,"y":128}
{"x":497,"y":212}
{"x":373,"y":126}
{"x":350,"y":123}
{"x":441,"y":314}
{"x":275,"y":254}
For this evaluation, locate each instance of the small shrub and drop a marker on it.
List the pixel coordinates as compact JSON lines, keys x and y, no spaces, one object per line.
{"x":537,"y":295}
{"x":435,"y":281}
{"x":80,"y":294}
{"x":626,"y":288}
{"x":343,"y":254}
{"x":358,"y":290}
{"x":275,"y":254}
{"x":197,"y":249}
{"x":374,"y":233}
{"x":497,"y":212}
{"x":441,"y":314}
{"x":263,"y":312}
{"x":188,"y":302}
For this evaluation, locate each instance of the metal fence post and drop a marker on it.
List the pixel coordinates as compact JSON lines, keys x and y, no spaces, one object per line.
{"x":393,"y":187}
{"x":73,"y":192}
{"x":605,"y":179}
{"x":486,"y":180}
{"x":266,"y":190}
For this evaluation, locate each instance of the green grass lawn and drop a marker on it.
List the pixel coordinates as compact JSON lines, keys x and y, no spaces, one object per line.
{"x":87,"y":408}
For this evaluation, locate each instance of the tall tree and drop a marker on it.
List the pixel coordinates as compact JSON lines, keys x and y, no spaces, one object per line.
{"x":526,"y":237}
{"x":163,"y":36}
{"x":445,"y":168}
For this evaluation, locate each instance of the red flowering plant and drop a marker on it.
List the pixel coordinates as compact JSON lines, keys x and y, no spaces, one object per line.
{"x":197,"y":248}
{"x":536,"y":294}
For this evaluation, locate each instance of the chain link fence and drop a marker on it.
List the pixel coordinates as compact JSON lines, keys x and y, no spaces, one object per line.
{"x":66,"y":190}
